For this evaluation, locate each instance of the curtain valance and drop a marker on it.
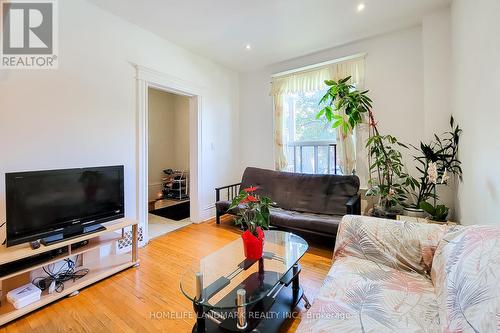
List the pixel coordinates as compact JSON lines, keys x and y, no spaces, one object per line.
{"x":314,"y":79}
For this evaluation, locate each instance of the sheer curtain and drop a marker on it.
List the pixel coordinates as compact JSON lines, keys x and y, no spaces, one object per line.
{"x":280,"y":161}
{"x":346,"y":144}
{"x":313,"y":80}
{"x":306,"y":81}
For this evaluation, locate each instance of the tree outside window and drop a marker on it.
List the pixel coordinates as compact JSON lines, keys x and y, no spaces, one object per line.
{"x":310,"y":142}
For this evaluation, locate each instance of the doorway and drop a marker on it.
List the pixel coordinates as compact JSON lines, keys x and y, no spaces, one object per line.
{"x":168,"y":162}
{"x":148,"y":78}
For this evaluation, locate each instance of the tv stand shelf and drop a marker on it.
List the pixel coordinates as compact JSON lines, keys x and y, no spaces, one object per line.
{"x":100,"y":266}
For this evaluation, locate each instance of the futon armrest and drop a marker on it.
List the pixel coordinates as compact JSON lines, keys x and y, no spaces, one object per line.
{"x":231,"y":190}
{"x":353,"y":205}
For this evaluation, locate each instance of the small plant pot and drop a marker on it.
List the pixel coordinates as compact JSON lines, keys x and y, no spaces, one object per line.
{"x":253,"y":246}
{"x":415,"y":212}
{"x":380,"y":212}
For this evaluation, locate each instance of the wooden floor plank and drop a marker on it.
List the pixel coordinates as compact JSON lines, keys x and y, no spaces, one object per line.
{"x":148,"y":298}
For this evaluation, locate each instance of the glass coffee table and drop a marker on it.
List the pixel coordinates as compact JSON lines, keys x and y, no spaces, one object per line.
{"x":234,"y":294}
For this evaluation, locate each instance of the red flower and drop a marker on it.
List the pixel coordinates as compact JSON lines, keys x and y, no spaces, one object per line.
{"x":252,"y":198}
{"x":249,"y":198}
{"x":251,"y":189}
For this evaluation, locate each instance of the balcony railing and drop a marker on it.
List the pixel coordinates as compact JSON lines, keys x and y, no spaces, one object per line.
{"x":316,"y":157}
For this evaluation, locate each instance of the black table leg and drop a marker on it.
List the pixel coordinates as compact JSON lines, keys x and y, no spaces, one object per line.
{"x":295,"y":283}
{"x":200,"y":318}
{"x":296,"y":288}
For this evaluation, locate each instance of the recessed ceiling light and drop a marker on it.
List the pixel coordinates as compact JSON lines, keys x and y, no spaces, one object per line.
{"x":248,"y":47}
{"x":361,"y":7}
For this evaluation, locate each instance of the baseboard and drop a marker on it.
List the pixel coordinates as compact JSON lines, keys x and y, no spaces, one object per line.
{"x":207,"y":213}
{"x":153,"y":189}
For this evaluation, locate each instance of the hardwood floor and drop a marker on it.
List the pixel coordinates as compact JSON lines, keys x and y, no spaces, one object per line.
{"x":127,"y":301}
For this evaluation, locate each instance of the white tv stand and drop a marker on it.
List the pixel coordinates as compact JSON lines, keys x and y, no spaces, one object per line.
{"x":89,"y":256}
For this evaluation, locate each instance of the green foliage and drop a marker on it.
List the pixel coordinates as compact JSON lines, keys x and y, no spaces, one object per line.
{"x":391,"y":178}
{"x":443,"y":152}
{"x":341,"y":98}
{"x":252,"y":210}
{"x":346,"y":107}
{"x":307,"y":127}
{"x":438,"y":213}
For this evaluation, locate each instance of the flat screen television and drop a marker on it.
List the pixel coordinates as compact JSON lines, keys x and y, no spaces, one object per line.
{"x":54,"y":205}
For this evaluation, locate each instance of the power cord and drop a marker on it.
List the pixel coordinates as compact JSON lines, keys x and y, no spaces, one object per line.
{"x":67,"y":272}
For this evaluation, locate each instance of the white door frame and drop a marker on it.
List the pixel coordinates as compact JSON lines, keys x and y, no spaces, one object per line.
{"x":148,"y":78}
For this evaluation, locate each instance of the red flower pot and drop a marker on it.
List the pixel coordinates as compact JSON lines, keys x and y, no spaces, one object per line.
{"x":252,"y":245}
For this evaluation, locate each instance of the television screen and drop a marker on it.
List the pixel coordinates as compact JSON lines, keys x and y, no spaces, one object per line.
{"x":43,"y":203}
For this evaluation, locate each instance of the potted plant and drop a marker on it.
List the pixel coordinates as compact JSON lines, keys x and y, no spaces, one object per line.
{"x":388,"y":176}
{"x":345,"y":105}
{"x":253,"y":214}
{"x":346,"y":108}
{"x":438,"y":213}
{"x":437,"y":163}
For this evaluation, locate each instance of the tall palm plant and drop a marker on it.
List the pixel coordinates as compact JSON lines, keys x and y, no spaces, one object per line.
{"x":346,"y":108}
{"x":345,"y":105}
{"x":386,"y":163}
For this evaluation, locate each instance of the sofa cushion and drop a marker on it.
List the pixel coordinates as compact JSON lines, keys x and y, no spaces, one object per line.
{"x":397,"y":244}
{"x":322,"y":194}
{"x":325,"y":224}
{"x":466,"y":275}
{"x":222,"y":206}
{"x":359,"y":295}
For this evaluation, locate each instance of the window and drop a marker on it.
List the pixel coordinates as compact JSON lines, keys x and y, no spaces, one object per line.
{"x":310,"y":143}
{"x":302,"y":143}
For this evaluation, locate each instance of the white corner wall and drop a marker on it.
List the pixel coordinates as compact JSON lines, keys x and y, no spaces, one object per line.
{"x":476,"y":85}
{"x":84,"y":113}
{"x":408,"y":73}
{"x":394,"y":68}
{"x":436,"y":47}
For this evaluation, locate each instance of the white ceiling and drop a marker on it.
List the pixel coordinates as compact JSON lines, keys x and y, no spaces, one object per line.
{"x":277,"y":30}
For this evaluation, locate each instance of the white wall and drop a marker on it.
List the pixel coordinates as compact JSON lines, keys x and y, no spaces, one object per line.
{"x":408,"y":74}
{"x":84,"y":113}
{"x":436,"y":47}
{"x":394,"y":77}
{"x":476,"y":84}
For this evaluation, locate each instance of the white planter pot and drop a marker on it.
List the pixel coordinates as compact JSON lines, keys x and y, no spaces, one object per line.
{"x":415,"y":212}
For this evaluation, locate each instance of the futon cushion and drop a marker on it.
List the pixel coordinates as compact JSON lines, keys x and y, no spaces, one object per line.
{"x":326,"y":224}
{"x":321,"y":194}
{"x":289,"y":219}
{"x":222,"y":206}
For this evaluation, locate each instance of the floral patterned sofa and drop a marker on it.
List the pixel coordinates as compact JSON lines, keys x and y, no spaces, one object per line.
{"x":394,"y":276}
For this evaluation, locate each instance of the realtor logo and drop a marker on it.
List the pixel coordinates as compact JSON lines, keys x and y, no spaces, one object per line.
{"x":29,"y":34}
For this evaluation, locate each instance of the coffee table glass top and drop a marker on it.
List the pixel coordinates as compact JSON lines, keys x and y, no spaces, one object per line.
{"x":223,"y":272}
